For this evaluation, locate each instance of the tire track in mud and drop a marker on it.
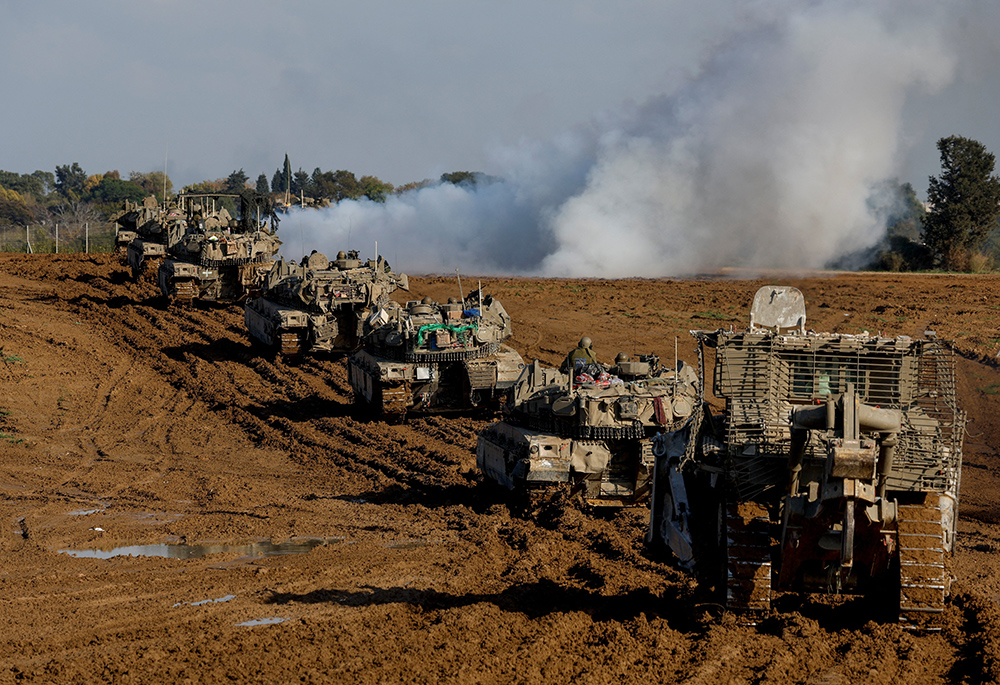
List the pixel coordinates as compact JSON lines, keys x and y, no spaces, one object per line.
{"x":303,"y":408}
{"x":577,"y":591}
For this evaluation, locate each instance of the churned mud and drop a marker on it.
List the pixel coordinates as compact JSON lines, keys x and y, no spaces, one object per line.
{"x":332,"y":549}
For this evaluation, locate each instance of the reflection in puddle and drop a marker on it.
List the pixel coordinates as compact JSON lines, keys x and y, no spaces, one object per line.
{"x":206,"y":601}
{"x":184,"y":551}
{"x":263,"y":622}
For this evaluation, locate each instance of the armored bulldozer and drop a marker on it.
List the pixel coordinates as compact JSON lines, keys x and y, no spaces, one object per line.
{"x":318,"y":305}
{"x":589,"y":432}
{"x":213,"y":255}
{"x":428,"y":357}
{"x":141,"y":236}
{"x":835,"y":468}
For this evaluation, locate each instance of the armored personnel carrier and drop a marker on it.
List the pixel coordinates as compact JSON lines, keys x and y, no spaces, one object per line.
{"x":430,"y":357}
{"x":835,"y":470}
{"x":591,"y":431}
{"x":212,"y":255}
{"x":319,"y":305}
{"x":141,"y":236}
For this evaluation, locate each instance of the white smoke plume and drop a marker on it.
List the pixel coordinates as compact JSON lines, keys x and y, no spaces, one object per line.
{"x":765,"y":158}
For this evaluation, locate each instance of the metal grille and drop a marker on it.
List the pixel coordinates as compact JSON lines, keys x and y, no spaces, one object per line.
{"x":763,"y":376}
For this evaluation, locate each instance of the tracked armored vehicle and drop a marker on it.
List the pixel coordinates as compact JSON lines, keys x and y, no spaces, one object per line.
{"x":428,"y":357}
{"x":317,"y":305}
{"x":141,"y":237}
{"x":590,"y":433}
{"x":835,"y":470}
{"x":214,"y":256}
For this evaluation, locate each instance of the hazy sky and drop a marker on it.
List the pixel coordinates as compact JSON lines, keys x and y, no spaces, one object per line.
{"x":660,"y":121}
{"x":402,"y":89}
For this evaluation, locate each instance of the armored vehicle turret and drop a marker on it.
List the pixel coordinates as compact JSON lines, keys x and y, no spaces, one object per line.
{"x":431,"y":357}
{"x":213,"y":255}
{"x":141,"y":237}
{"x":590,"y":431}
{"x":835,"y":468}
{"x":319,"y":305}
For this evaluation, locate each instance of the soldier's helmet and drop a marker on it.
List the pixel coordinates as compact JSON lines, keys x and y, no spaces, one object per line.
{"x":621,"y":358}
{"x":427,"y":300}
{"x":586,"y":342}
{"x":341,"y":255}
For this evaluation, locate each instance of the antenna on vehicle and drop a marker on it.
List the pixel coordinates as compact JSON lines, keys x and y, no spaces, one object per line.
{"x":165,"y":148}
{"x":675,"y":366}
{"x":461,"y":293}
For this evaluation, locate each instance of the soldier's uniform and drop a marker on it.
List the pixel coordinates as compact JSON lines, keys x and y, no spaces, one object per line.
{"x":581,"y":356}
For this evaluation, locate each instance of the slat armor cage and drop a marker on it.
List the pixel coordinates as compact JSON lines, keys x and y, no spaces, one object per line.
{"x":763,"y":375}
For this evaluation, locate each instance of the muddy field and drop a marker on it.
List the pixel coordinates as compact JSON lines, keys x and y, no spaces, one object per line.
{"x":126,"y":424}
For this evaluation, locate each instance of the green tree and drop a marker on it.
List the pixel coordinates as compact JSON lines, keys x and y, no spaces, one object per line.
{"x":152,"y":183}
{"x":70,"y":180}
{"x":906,"y":216}
{"x":300,"y":182}
{"x":262,"y":186}
{"x":282,"y":179}
{"x":322,"y":184}
{"x":112,"y":190}
{"x":237,"y":182}
{"x":964,"y":202}
{"x":28,"y":185}
{"x":374,"y":188}
{"x":47,"y":179}
{"x":346,"y":184}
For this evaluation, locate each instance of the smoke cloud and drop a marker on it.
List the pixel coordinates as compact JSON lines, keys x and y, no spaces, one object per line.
{"x":766,"y":158}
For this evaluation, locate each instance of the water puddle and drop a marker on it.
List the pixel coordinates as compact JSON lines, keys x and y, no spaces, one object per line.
{"x":98,"y":506}
{"x":263,"y":621}
{"x":206,"y":601}
{"x":185,"y":551}
{"x":84,"y":512}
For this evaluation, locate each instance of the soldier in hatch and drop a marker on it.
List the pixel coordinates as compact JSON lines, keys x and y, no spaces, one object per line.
{"x":580,"y":357}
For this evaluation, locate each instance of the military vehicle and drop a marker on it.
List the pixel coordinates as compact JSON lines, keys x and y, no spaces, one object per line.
{"x":212,"y":255}
{"x":835,"y":468}
{"x":589,"y":432}
{"x":141,"y":237}
{"x":316,"y":305}
{"x":428,"y":357}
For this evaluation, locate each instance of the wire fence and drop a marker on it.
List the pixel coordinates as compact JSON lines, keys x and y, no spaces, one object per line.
{"x":65,"y":237}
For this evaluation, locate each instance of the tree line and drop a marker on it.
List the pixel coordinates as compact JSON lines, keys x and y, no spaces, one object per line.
{"x":76,"y":206}
{"x":958,"y":229}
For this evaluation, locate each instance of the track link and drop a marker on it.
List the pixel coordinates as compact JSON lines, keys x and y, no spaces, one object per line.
{"x":924,"y":582}
{"x":748,"y":558}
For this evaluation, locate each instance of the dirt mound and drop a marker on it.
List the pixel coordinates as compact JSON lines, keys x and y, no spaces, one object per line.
{"x":126,"y":423}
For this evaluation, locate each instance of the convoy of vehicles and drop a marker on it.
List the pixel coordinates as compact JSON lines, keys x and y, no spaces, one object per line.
{"x":834,"y":466}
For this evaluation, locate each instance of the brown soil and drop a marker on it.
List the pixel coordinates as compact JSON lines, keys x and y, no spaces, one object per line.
{"x":124,"y":423}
